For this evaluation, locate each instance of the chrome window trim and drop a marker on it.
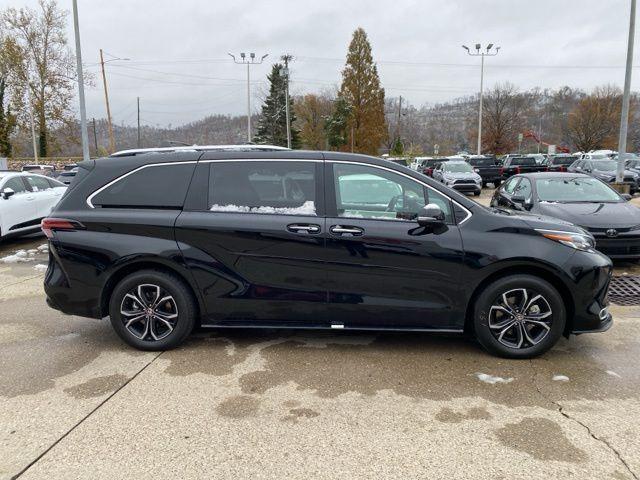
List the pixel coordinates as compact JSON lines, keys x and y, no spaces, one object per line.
{"x":314,"y":160}
{"x":116,"y":180}
{"x":469,"y":214}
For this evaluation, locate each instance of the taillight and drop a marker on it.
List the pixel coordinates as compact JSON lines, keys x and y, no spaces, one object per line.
{"x":49,"y":225}
{"x":563,"y":168}
{"x":517,"y":170}
{"x":501,"y":171}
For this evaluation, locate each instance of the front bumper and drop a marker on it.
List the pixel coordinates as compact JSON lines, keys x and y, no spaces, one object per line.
{"x":620,"y":247}
{"x":466,"y":187}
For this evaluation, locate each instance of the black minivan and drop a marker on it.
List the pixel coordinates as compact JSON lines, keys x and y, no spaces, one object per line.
{"x":163,"y":241}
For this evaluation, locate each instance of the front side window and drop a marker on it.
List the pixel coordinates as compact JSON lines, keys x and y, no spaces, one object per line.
{"x":16,"y":184}
{"x":38,"y":184}
{"x":510,"y":186}
{"x":271,"y":187}
{"x":373,"y":193}
{"x":523,"y":189}
{"x":157,"y":186}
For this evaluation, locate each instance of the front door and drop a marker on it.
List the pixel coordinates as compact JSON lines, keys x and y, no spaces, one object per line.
{"x":19,"y":210}
{"x":256,"y":247}
{"x":384,"y":270}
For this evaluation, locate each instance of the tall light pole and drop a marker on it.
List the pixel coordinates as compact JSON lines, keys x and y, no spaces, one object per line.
{"x":83,"y":110}
{"x":112,"y":142}
{"x":481,"y":53}
{"x":248,"y":60}
{"x":624,"y":120}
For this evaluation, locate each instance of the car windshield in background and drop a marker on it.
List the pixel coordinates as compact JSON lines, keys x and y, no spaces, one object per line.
{"x":457,"y":167}
{"x":569,"y":190}
{"x":523,"y":161}
{"x":563,"y":160}
{"x":605,"y":165}
{"x":482,"y":162}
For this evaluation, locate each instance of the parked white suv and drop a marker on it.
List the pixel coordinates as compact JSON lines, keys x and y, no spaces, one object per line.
{"x":25,"y":199}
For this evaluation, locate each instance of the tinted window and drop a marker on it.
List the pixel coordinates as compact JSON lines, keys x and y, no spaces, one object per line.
{"x":55,"y":183}
{"x":284,"y":188}
{"x":510,"y":185}
{"x":37,"y":183}
{"x":482,"y":162}
{"x":368,"y":192}
{"x":523,"y":161}
{"x":16,"y":184}
{"x":563,"y":160}
{"x":163,"y":186}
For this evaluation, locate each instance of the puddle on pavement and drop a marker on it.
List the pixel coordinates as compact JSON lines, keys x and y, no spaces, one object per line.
{"x":239,"y":406}
{"x":96,"y":387}
{"x":209,"y":355}
{"x":541,"y":438}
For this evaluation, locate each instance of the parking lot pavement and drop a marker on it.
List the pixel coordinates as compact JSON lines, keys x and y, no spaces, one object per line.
{"x":76,"y":403}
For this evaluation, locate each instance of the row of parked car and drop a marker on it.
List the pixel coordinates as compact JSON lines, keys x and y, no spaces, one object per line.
{"x":65,"y":175}
{"x":570,"y":187}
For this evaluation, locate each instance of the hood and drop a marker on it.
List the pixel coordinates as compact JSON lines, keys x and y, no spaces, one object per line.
{"x":461,"y":175}
{"x":538,"y":221}
{"x":594,"y":215}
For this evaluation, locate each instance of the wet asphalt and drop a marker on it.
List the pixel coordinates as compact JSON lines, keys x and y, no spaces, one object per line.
{"x":77,"y":403}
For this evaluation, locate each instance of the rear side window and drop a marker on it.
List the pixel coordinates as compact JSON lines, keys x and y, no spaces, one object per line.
{"x":271,"y":187}
{"x":37,"y":183}
{"x":158,"y":186}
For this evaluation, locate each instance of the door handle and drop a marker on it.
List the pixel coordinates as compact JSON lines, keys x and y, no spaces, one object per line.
{"x":30,"y":198}
{"x":346,"y":229}
{"x":303,"y":227}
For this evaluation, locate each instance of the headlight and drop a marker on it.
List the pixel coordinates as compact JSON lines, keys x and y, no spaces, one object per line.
{"x":579,"y":241}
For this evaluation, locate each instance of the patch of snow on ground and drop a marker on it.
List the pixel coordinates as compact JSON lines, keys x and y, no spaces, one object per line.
{"x":560,"y":378}
{"x":307,"y":208}
{"x":41,"y":267}
{"x":32,"y":251}
{"x":613,"y":374}
{"x":43,"y":248}
{"x":486,"y":378}
{"x":19,"y":256}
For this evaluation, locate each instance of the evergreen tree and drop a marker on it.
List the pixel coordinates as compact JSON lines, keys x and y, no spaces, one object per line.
{"x":361,"y":89}
{"x":398,"y":148}
{"x":337,"y":126}
{"x":272,"y":126}
{"x":7,"y":123}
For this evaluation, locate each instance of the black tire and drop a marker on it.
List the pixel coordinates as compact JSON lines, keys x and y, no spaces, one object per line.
{"x":492,"y":296}
{"x":476,"y":194}
{"x":181,"y":302}
{"x":484,"y":184}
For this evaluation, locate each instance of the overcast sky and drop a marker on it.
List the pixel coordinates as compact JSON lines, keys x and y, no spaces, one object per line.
{"x":180,"y":69}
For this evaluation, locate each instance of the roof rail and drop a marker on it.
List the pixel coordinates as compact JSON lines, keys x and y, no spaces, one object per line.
{"x":198,"y":148}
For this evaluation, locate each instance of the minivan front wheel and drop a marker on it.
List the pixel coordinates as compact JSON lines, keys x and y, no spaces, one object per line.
{"x":519,"y":316}
{"x":152,"y":310}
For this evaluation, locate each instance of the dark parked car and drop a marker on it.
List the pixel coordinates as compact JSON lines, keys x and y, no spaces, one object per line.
{"x":487,"y":167}
{"x":161,"y":242}
{"x":560,"y":163}
{"x":459,"y":175}
{"x":579,"y":199}
{"x":67,"y":175}
{"x":605,"y":170}
{"x":517,"y":165}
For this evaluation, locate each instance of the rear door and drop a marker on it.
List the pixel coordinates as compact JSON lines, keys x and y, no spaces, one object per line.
{"x":385,"y":271}
{"x":43,"y":193}
{"x":252,"y":234}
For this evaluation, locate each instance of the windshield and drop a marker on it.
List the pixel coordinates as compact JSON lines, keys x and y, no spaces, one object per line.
{"x":606,"y":165}
{"x":567,"y":190}
{"x":523,"y":161}
{"x":457,"y":167}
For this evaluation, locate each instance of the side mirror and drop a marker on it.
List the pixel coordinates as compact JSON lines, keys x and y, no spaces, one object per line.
{"x":7,"y":192}
{"x":431,"y":214}
{"x":520,"y":200}
{"x":626,"y":196}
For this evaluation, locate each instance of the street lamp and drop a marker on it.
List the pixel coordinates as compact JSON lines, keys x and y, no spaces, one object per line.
{"x":480,"y":53}
{"x":624,"y":116}
{"x":250,"y":60}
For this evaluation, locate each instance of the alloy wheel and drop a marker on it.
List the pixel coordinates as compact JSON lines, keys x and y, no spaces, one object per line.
{"x":520,"y":318}
{"x":149,"y":312}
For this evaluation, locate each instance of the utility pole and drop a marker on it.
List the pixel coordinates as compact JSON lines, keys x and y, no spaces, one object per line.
{"x":248,"y":60}
{"x":112,"y":143}
{"x":286,"y":58}
{"x":481,"y":54}
{"x":83,"y":110}
{"x":33,"y":127}
{"x":139,"y":144}
{"x":624,"y":120}
{"x":398,"y":128}
{"x":95,"y":136}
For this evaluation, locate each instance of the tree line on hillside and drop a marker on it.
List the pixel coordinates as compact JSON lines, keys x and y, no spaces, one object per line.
{"x":37,"y":69}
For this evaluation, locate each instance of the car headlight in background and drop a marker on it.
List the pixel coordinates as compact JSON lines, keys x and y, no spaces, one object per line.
{"x":579,"y":241}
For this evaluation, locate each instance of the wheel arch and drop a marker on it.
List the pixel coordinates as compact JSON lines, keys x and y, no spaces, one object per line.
{"x":533,"y":270}
{"x":125,"y":270}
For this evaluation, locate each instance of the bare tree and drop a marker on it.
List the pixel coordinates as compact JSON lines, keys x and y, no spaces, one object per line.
{"x":503,"y":118}
{"x":593,"y":123}
{"x":44,"y":63}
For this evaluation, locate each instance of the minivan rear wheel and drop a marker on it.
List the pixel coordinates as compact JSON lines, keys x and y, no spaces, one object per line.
{"x":519,"y":316}
{"x":152,"y":310}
